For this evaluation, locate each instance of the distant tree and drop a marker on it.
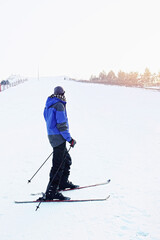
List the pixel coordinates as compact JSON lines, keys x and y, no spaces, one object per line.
{"x":132,"y":79}
{"x":93,"y":78}
{"x":154,"y":78}
{"x":158,"y":79}
{"x":146,"y":77}
{"x":102,"y":76}
{"x":122,"y":77}
{"x":111,"y":78}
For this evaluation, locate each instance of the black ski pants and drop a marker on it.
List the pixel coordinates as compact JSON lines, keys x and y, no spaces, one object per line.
{"x":60,"y":170}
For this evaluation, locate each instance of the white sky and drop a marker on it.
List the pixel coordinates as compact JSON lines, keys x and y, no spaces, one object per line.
{"x":78,"y":38}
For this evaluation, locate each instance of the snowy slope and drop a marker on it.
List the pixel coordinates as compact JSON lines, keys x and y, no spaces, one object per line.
{"x":118,"y":136}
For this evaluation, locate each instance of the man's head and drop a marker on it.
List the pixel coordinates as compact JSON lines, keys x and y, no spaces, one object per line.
{"x":59,"y":91}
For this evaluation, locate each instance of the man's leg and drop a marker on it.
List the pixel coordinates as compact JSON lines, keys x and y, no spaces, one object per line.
{"x":66,"y":171}
{"x":56,"y":170}
{"x":64,"y":183}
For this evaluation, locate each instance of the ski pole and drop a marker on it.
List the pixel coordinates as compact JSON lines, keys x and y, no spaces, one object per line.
{"x":39,"y":168}
{"x":54,"y":176}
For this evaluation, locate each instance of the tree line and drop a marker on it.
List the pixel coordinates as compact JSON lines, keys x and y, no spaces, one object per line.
{"x":132,"y":79}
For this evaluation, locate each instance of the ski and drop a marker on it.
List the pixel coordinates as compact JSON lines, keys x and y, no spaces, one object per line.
{"x":87,"y":186}
{"x":78,"y":188}
{"x":60,"y":201}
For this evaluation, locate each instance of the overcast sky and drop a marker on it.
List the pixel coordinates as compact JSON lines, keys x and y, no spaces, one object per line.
{"x":78,"y":38}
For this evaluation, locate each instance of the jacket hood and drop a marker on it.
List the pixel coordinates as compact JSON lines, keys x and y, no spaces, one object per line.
{"x":52,"y":100}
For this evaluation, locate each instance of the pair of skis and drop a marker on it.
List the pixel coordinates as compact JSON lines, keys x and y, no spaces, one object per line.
{"x":70,"y":200}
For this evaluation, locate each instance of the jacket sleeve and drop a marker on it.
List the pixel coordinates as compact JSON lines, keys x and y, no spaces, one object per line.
{"x":62,"y":122}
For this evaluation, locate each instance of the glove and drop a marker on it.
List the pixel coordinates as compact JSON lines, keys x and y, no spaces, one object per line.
{"x":72,"y":142}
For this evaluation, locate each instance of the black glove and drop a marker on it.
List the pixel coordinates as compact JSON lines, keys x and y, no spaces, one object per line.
{"x":72,"y":142}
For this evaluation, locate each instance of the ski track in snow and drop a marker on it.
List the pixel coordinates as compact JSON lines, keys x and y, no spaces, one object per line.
{"x":118,"y":136}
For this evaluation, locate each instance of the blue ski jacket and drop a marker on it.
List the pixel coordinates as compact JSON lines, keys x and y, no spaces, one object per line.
{"x":55,"y":115}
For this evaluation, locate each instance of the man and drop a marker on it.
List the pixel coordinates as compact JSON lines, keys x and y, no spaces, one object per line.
{"x":58,"y":133}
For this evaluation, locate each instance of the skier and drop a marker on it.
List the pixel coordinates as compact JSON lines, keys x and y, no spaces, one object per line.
{"x":58,"y":133}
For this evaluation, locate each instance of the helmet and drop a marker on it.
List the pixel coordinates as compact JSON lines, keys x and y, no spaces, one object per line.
{"x":59,"y":91}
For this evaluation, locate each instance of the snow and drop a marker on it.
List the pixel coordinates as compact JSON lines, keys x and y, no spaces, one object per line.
{"x":118,"y":136}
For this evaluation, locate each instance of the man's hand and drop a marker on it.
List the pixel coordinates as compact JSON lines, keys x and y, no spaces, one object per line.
{"x":72,"y":142}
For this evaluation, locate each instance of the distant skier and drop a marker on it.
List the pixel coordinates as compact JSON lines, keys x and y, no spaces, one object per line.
{"x":58,"y":133}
